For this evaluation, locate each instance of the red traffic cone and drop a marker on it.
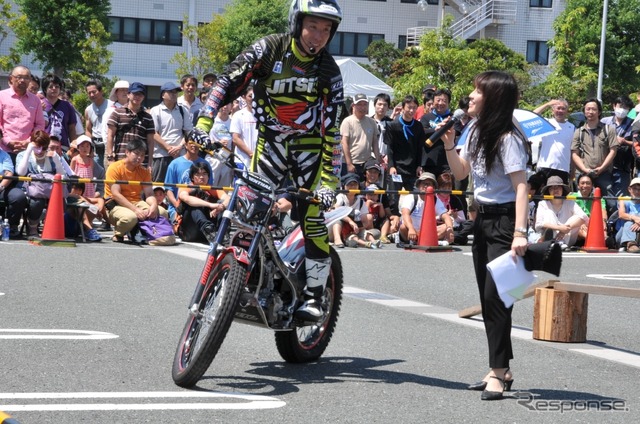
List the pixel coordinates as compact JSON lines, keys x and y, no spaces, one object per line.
{"x":428,"y":236}
{"x":595,"y":232}
{"x":53,"y":232}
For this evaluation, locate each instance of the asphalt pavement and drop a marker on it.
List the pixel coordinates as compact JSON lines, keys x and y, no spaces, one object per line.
{"x":88,"y":333}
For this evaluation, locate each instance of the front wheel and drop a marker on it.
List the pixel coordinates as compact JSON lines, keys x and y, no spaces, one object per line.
{"x":308,"y":343}
{"x":204,"y":333}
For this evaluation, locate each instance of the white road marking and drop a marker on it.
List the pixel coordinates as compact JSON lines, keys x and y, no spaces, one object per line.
{"x":239,"y":401}
{"x":52,"y":334}
{"x":624,"y":277}
{"x":602,"y":352}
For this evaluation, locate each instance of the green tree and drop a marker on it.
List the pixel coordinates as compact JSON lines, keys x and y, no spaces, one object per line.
{"x":444,"y":61}
{"x":382,"y":56}
{"x":245,"y":21}
{"x":6,"y":16}
{"x":65,"y":35}
{"x":577,"y":46}
{"x":208,"y":50}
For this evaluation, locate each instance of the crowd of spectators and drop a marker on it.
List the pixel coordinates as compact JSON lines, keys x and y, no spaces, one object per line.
{"x":118,"y":136}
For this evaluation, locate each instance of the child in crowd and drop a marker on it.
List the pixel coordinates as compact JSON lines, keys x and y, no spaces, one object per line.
{"x":161,"y":196}
{"x":391,"y":222}
{"x":412,"y":207}
{"x":376,"y":220}
{"x":462,"y":227}
{"x":351,"y":230}
{"x":84,"y":166}
{"x":90,"y":205}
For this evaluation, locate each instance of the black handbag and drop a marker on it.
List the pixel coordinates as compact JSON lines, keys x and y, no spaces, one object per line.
{"x":545,"y":256}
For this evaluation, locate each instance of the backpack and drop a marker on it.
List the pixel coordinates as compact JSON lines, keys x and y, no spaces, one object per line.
{"x":158,"y":231}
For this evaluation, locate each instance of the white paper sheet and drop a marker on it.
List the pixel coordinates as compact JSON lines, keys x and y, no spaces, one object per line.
{"x":511,"y":277}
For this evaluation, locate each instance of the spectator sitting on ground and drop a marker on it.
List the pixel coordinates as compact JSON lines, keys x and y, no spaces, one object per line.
{"x":535,"y":184}
{"x":629,"y":219}
{"x":559,"y":219}
{"x":178,"y":173}
{"x":92,"y":204}
{"x":378,"y":223}
{"x":462,"y":227}
{"x":37,"y":159}
{"x":12,"y":195}
{"x":351,"y":229}
{"x":199,"y":208}
{"x":372,"y":177}
{"x":161,"y":196}
{"x":125,"y":203}
{"x":412,"y":207}
{"x":585,"y":189}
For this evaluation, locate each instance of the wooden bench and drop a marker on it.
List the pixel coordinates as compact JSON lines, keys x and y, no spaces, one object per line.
{"x":560,"y":308}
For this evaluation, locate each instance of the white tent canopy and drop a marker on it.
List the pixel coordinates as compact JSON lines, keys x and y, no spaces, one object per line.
{"x":356,"y":80}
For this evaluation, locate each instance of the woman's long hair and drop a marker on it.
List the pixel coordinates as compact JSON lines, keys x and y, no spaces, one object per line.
{"x":495,"y":120}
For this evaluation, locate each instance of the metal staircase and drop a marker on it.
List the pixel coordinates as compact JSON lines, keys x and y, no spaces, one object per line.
{"x":477,"y":15}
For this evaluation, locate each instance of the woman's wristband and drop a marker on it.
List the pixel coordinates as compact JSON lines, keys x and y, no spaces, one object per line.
{"x":453,"y":148}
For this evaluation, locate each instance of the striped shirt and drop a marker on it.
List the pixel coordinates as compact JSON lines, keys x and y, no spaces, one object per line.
{"x":130,"y":126}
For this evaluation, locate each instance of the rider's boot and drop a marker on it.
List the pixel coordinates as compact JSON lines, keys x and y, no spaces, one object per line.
{"x":317,"y":271}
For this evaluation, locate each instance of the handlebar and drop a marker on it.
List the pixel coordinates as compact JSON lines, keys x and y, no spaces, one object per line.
{"x":223,"y":154}
{"x":300,"y":194}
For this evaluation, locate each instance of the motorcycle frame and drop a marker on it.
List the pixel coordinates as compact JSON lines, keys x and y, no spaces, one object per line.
{"x":262,"y":239}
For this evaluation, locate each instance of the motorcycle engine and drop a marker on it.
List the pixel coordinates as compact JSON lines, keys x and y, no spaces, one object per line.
{"x":274,"y":306}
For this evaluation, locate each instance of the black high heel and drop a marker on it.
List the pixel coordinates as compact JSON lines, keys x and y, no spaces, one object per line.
{"x":481,"y":385}
{"x":487,"y":395}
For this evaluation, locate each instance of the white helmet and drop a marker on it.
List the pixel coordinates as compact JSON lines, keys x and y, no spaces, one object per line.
{"x":327,"y":9}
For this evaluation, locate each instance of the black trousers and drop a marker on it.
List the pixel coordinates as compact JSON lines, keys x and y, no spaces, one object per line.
{"x":492,"y":237}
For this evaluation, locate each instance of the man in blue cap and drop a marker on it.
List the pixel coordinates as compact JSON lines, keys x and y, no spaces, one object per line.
{"x":172,"y":123}
{"x":128,"y":123}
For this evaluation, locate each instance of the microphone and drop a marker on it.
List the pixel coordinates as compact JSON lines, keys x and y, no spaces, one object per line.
{"x":312,"y":50}
{"x":457,"y":116}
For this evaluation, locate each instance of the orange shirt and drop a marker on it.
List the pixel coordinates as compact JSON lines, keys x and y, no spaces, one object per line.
{"x":118,"y":171}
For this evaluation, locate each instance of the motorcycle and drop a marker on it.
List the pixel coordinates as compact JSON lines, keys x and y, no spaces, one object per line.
{"x":255,"y":275}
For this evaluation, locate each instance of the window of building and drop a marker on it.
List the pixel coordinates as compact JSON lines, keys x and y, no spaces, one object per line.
{"x":352,"y":43}
{"x":434,"y":2}
{"x":146,"y":31}
{"x":541,"y":3}
{"x":402,"y":42}
{"x":538,"y":52}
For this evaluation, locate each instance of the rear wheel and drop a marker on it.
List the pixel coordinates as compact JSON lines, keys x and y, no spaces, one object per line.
{"x":308,"y":343}
{"x":203,"y":334}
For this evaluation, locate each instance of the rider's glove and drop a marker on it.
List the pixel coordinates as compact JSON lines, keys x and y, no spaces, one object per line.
{"x":201,"y":138}
{"x":325,"y":196}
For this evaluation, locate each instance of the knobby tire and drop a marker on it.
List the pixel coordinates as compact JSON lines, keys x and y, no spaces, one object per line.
{"x":308,"y":343}
{"x":196,"y":351}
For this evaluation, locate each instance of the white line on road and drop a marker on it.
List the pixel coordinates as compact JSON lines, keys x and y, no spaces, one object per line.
{"x":52,"y":334}
{"x":241,"y":401}
{"x":602,"y":352}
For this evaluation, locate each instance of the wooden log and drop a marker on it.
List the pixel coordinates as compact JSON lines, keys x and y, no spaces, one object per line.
{"x":560,"y":316}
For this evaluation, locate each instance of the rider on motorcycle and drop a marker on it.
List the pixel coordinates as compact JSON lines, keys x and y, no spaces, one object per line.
{"x":298,"y":100}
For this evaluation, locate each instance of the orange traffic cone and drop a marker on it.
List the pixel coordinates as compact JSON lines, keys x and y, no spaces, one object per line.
{"x":53,"y":232}
{"x":595,"y":232}
{"x":428,"y":236}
